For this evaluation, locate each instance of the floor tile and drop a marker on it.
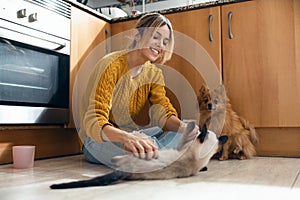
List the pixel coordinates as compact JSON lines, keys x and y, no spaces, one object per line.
{"x":260,"y":177}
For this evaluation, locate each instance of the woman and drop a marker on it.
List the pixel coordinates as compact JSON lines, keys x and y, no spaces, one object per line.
{"x":121,"y":84}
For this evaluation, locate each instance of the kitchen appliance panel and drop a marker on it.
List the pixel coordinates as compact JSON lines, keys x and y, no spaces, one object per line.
{"x":34,"y":62}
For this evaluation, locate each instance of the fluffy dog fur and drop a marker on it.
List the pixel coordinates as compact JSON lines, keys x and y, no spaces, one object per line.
{"x":215,"y":105}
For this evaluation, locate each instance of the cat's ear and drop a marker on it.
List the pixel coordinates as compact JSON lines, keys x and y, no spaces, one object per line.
{"x":203,"y":133}
{"x":223,"y":139}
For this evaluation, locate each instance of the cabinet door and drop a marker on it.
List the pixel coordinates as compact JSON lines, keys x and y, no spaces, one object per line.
{"x":261,"y":62}
{"x":197,"y":26}
{"x":87,"y":32}
{"x":122,"y":35}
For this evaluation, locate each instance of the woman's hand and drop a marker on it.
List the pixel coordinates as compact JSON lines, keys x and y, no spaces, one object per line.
{"x":140,"y":145}
{"x":137,"y":143}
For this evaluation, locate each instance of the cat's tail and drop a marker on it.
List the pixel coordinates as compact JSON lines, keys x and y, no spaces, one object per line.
{"x":250,"y":127}
{"x":104,"y":180}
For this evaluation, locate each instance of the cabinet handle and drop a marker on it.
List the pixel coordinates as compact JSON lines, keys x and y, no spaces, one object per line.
{"x":210,"y":18}
{"x":107,"y":48}
{"x":229,"y":25}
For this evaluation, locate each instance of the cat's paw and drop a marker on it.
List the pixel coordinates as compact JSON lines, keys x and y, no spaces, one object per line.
{"x":189,"y":134}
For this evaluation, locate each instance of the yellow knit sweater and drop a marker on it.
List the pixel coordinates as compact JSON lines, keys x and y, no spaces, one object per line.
{"x":114,"y":97}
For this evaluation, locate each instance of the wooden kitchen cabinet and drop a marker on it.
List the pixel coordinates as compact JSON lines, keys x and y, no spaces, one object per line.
{"x":88,"y":35}
{"x":121,"y":34}
{"x":259,"y":64}
{"x":261,"y":69}
{"x":197,"y":26}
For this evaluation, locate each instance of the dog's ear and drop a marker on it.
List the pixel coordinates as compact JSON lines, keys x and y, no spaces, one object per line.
{"x":220,"y":92}
{"x":221,"y":89}
{"x":203,"y":90}
{"x":223,"y":139}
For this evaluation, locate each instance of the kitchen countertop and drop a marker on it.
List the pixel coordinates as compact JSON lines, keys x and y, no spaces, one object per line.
{"x":165,"y":11}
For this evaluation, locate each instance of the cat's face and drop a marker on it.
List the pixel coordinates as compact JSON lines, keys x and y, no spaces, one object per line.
{"x":214,"y":100}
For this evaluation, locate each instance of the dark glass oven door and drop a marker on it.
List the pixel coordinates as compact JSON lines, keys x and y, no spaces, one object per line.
{"x":33,"y":77}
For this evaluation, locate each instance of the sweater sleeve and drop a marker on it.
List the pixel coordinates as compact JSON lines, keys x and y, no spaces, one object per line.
{"x":98,"y":110}
{"x":161,"y":107}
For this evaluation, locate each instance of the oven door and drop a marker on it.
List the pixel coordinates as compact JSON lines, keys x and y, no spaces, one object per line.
{"x":34,"y":84}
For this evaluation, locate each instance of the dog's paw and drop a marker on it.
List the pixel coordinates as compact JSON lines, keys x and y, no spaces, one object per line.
{"x":223,"y":158}
{"x":242,"y":156}
{"x":236,"y":150}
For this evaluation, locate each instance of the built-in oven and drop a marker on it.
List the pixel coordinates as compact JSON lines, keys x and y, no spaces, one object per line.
{"x":34,"y":61}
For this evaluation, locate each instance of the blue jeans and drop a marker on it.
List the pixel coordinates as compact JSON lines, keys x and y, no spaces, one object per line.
{"x":103,"y":152}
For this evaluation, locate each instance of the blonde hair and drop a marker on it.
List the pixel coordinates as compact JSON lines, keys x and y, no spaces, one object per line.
{"x":151,"y":22}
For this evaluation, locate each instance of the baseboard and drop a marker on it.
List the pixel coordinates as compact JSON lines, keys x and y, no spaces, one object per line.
{"x":53,"y":142}
{"x":49,"y":141}
{"x":278,"y":142}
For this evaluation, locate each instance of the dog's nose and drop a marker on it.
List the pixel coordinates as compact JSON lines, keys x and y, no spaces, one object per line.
{"x":209,"y":106}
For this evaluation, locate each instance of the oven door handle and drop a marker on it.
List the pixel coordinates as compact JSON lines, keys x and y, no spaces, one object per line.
{"x":61,"y":46}
{"x":34,"y":38}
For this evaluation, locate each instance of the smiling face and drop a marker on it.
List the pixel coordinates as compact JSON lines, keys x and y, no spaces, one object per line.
{"x":155,"y":48}
{"x":153,"y":38}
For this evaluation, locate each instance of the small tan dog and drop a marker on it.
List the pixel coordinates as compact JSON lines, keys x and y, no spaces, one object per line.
{"x":215,"y":108}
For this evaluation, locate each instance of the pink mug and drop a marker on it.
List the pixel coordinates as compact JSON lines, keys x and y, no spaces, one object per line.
{"x":23,"y":156}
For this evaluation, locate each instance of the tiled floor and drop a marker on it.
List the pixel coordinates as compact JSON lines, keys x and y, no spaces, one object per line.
{"x":260,"y":177}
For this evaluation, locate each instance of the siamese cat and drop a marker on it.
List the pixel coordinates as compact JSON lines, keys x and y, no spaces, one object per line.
{"x":192,"y":155}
